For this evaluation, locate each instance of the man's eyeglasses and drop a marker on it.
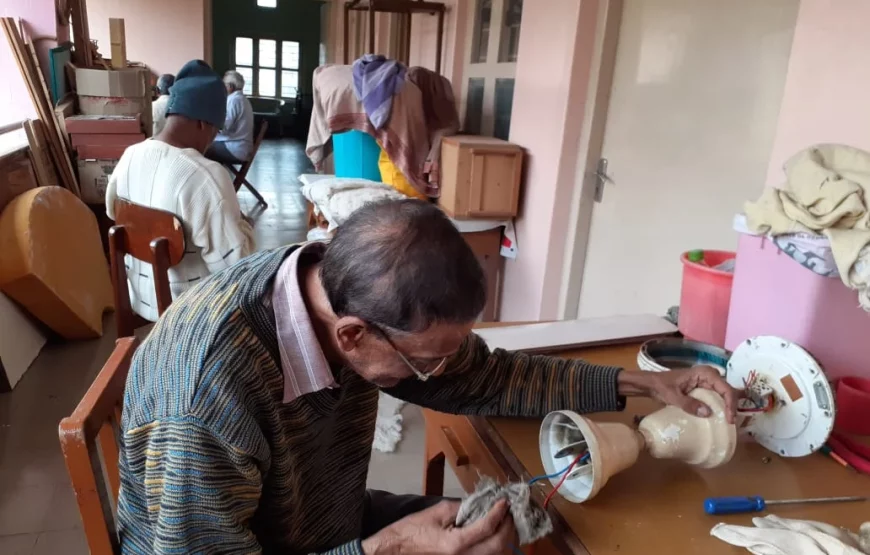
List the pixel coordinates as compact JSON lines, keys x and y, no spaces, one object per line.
{"x":430,"y":368}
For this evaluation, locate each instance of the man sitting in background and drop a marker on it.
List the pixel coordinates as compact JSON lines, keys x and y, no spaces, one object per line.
{"x":169,"y":172}
{"x":158,"y":107}
{"x":235,"y":143}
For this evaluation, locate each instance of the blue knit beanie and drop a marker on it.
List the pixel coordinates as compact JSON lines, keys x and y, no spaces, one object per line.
{"x":199,"y":94}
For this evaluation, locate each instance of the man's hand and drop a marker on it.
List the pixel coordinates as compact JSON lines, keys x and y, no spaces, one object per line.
{"x":673,"y":387}
{"x":431,"y":532}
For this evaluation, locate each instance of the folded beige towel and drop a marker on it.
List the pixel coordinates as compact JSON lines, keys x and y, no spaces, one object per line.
{"x":826,"y":191}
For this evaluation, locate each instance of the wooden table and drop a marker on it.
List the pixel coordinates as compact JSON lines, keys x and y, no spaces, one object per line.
{"x":653,"y":507}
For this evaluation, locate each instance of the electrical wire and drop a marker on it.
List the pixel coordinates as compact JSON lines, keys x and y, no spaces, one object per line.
{"x":580,"y":458}
{"x":549,"y":476}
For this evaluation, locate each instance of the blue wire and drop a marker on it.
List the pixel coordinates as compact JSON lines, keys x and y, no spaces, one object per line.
{"x":516,"y":550}
{"x":584,"y":458}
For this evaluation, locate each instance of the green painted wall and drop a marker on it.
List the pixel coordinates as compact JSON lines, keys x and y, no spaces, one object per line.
{"x":297,"y":20}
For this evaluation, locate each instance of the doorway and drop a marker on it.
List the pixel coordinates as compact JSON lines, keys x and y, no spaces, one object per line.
{"x":686,"y":106}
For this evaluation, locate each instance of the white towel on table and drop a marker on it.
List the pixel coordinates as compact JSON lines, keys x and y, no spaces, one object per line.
{"x":773,"y":535}
{"x":337,"y":198}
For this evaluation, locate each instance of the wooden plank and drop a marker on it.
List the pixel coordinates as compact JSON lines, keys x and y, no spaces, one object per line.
{"x":118,"y":38}
{"x":64,"y":109}
{"x":573,"y":334}
{"x":45,"y":174}
{"x":28,"y":65}
{"x":83,"y":54}
{"x":16,"y":176}
{"x":51,"y":122}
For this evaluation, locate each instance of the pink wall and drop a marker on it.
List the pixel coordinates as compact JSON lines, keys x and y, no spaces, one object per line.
{"x":39,"y":19}
{"x":552,"y":78}
{"x":826,"y":91}
{"x":163,"y":34}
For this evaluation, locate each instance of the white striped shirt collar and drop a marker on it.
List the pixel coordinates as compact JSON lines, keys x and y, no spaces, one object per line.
{"x":303,"y":363}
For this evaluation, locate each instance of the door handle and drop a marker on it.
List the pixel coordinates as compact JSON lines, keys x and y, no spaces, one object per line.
{"x":601,"y":178}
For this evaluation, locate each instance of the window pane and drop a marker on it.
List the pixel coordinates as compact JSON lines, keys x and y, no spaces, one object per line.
{"x":268,"y":53}
{"x":474,"y":110}
{"x":479,"y":46}
{"x":290,"y":55}
{"x":289,"y":83}
{"x":248,"y":74}
{"x":510,"y":32}
{"x":266,"y":82}
{"x":267,"y":3}
{"x":504,"y":101}
{"x":244,"y":51}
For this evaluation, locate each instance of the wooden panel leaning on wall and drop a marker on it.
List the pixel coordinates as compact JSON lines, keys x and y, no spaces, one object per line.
{"x":16,"y":176}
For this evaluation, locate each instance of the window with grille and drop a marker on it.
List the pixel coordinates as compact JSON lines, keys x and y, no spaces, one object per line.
{"x":268,"y":70}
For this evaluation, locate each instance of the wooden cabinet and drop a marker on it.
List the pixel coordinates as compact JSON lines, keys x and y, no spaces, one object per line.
{"x":480,"y":177}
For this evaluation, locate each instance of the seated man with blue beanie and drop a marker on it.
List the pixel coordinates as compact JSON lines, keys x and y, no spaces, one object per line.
{"x":170,"y":172}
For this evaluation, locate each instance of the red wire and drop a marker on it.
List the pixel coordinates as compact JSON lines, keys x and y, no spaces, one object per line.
{"x":562,"y":480}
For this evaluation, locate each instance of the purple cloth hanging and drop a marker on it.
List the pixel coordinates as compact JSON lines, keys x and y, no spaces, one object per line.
{"x":375,"y":80}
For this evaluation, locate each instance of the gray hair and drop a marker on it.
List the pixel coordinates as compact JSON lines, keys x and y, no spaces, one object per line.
{"x":165,"y":82}
{"x":235,"y":80}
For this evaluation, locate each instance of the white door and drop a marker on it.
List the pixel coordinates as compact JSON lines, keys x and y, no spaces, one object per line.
{"x":693,"y":108}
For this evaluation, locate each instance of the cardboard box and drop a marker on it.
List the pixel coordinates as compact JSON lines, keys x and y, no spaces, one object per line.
{"x":104,"y":124}
{"x":94,"y":178}
{"x":20,"y":343}
{"x":107,"y":139}
{"x":121,"y":92}
{"x":100,"y":152}
{"x":126,"y":83}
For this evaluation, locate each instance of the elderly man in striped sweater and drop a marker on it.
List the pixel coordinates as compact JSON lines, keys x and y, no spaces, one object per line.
{"x":250,"y":409}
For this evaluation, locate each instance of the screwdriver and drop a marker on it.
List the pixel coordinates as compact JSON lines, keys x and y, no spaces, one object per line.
{"x":755,"y":503}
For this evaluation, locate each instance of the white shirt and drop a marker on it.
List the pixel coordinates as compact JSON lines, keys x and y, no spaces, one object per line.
{"x":198,"y":191}
{"x":158,"y":113}
{"x":238,"y":131}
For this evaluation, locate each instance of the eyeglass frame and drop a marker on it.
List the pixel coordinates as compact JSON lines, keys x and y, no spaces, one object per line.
{"x":422,"y":376}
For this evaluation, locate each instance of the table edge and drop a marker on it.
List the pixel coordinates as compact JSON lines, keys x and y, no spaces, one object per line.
{"x":564,"y":538}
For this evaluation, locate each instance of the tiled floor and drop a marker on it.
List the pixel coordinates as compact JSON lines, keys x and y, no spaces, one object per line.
{"x":38,"y":512}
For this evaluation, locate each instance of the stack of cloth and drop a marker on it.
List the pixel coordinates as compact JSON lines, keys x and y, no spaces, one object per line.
{"x":406,"y":110}
{"x":336,"y":198}
{"x":826,"y":193}
{"x":773,"y":535}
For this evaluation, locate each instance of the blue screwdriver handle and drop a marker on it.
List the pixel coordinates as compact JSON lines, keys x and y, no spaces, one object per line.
{"x":733,"y":505}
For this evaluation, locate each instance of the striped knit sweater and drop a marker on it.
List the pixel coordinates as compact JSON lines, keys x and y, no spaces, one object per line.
{"x":212,"y":460}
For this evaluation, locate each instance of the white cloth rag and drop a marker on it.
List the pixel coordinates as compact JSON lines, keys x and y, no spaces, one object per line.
{"x":773,"y":535}
{"x":337,"y":198}
{"x":826,"y":191}
{"x":388,"y":426}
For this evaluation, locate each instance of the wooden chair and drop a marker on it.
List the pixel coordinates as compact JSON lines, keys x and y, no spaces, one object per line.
{"x":241,"y":173}
{"x":147,"y":234}
{"x":89,"y":439}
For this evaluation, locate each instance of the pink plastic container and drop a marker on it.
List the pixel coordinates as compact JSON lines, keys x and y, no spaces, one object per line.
{"x":705,"y":297}
{"x":774,"y":295}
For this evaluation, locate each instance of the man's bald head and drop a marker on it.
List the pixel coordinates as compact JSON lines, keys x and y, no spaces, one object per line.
{"x":402,"y":265}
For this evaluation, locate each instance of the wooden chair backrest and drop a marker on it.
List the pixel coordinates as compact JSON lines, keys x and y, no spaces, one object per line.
{"x":150,"y":235}
{"x":242,"y":174}
{"x":89,"y":439}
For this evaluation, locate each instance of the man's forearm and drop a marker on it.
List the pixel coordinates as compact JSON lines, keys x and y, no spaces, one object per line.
{"x":633,"y":384}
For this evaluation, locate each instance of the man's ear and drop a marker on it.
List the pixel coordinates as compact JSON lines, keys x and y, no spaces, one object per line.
{"x":349,"y":332}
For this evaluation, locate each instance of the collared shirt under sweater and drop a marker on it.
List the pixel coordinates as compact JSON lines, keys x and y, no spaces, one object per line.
{"x":214,"y":460}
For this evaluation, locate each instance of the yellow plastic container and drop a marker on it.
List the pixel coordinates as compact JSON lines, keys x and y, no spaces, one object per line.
{"x":392,"y":176}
